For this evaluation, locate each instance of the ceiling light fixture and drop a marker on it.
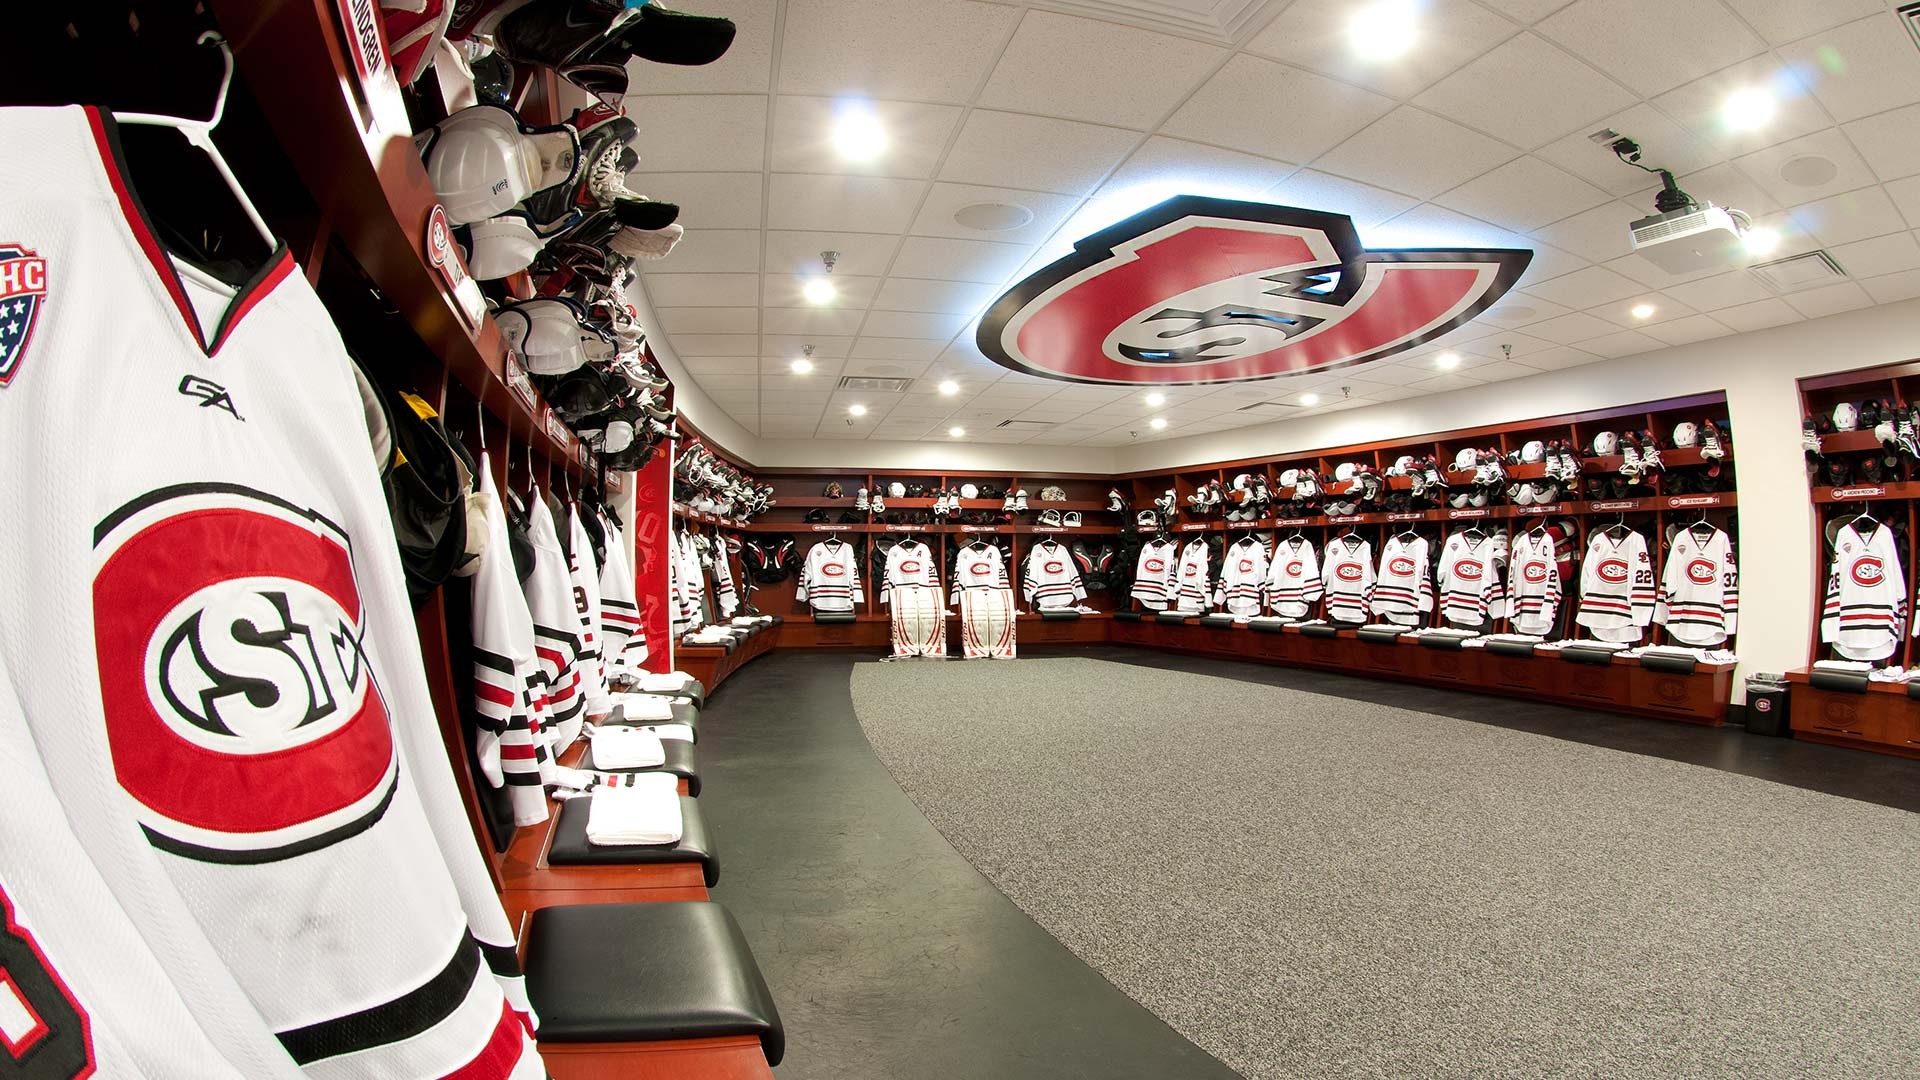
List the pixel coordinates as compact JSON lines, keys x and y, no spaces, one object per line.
{"x":857,"y":132}
{"x":1761,"y":242}
{"x":856,"y":410}
{"x":820,"y":291}
{"x":1642,"y":311}
{"x":948,"y":388}
{"x":1309,"y":399}
{"x":1447,"y":361}
{"x":1156,"y":399}
{"x":804,"y":365}
{"x":1383,"y":30}
{"x":956,"y":431}
{"x":1748,"y":109}
{"x":1158,"y":423}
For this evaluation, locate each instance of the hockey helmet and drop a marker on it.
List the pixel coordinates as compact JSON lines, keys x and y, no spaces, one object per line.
{"x":879,"y":505}
{"x":1052,"y":493}
{"x":1402,"y":466}
{"x":1846,"y":416}
{"x":969,"y":491}
{"x":817,"y":516}
{"x":1466,"y":460}
{"x":1243,"y":482}
{"x":507,"y":243}
{"x":1071,"y":519}
{"x":1533,"y":452}
{"x":896,"y":490}
{"x":834,"y":490}
{"x":1345,"y":472}
{"x":988,"y":491}
{"x":1545,"y":492}
{"x":482,"y":160}
{"x":1520,"y":494}
{"x":1147,"y":519}
{"x":1606,"y":444}
{"x":1685,"y":434}
{"x":1290,"y":478}
{"x":1116,"y":502}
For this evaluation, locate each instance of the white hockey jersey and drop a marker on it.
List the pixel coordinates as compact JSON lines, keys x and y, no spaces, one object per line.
{"x":1402,"y":589}
{"x":1191,"y":580}
{"x":586,"y":602}
{"x":1348,"y":578}
{"x":1293,"y":578}
{"x":726,"y":596}
{"x":1469,"y":578}
{"x":1153,"y":575}
{"x":506,"y":744}
{"x":1700,"y":592}
{"x":1865,"y":613}
{"x":687,"y":584}
{"x":1616,"y":586}
{"x":979,"y":566}
{"x":1243,"y":574}
{"x":624,"y":637}
{"x":556,"y":634}
{"x":830,"y":578}
{"x":1533,"y":583}
{"x":1050,"y":580}
{"x":227,"y":695}
{"x":909,"y":563}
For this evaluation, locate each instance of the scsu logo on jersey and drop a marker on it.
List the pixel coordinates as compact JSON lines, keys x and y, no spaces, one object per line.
{"x":1349,"y":572}
{"x":241,"y":709}
{"x":1055,"y":567}
{"x":981,"y":569}
{"x":910,"y":566}
{"x":1156,"y":566}
{"x":834,"y":570}
{"x":23,"y":285}
{"x":1296,"y":568}
{"x":1614,"y":570}
{"x":1400,"y":565}
{"x":1534,"y":572}
{"x":1246,"y":566}
{"x":1467,"y":568}
{"x":1204,"y":290}
{"x":1702,"y":571}
{"x":1867,"y":570}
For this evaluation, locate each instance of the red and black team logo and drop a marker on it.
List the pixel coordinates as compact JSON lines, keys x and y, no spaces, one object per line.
{"x":1055,"y":567}
{"x":1468,"y":569}
{"x":1349,"y":572}
{"x":241,"y":709}
{"x":1400,"y":566}
{"x":1613,"y":570}
{"x":1202,"y":290}
{"x":1868,"y":571}
{"x":1534,"y":572}
{"x":1702,"y":571}
{"x":1156,"y":566}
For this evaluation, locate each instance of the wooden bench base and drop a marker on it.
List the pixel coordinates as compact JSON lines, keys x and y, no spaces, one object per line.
{"x":737,"y":1057}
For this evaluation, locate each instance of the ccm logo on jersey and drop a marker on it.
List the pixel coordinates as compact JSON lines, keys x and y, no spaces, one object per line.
{"x":1349,"y":572}
{"x":1203,"y":290}
{"x":1612,"y":570}
{"x":1702,"y":572}
{"x":1400,"y":565}
{"x":241,"y":709}
{"x":1867,"y":570}
{"x":1467,"y":568}
{"x":1534,"y":572}
{"x":23,"y":285}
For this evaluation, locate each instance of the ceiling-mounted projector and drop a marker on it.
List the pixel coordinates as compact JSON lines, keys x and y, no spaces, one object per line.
{"x":1684,"y":235}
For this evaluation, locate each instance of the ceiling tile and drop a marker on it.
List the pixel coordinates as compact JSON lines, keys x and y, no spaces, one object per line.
{"x":860,"y":254}
{"x":1688,"y":330}
{"x":728,"y":382}
{"x":885,"y":348}
{"x":1565,"y":356}
{"x":1758,"y":315}
{"x":1526,"y":11}
{"x":1856,"y":215}
{"x":1726,"y":185}
{"x":1572,"y":329}
{"x":909,"y":324}
{"x":1502,"y":370}
{"x":946,"y":297}
{"x":743,"y":70}
{"x":1102,"y":82}
{"x":889,"y":368}
{"x":959,"y":260}
{"x":1641,"y":269}
{"x":802,"y":137}
{"x":711,"y":251}
{"x":1191,"y":168}
{"x":1888,"y":288}
{"x":1906,"y":195}
{"x":1666,"y":308}
{"x":703,"y":290}
{"x":1516,"y":310}
{"x":1830,"y":299}
{"x":1562,"y":95}
{"x":1365,"y":204}
{"x":1859,"y":69}
{"x":1663,"y":142}
{"x":808,"y":321}
{"x":918,"y":50}
{"x":699,"y":133}
{"x":1698,"y":106}
{"x":707,"y":200}
{"x":1721,"y":291}
{"x":936,"y":214}
{"x":786,"y":291}
{"x":777,"y":375}
{"x":1766,"y":167}
{"x":1318,"y":111}
{"x":1313,"y":34}
{"x":842,"y":203}
{"x":1598,"y":234}
{"x":1439,"y":384}
{"x":709,"y":320}
{"x":1887,"y":141}
{"x":1036,"y":153}
{"x":1881,"y":255}
{"x":1781,"y":21}
{"x":1585,"y":288}
{"x":716,"y":344}
{"x":1652,"y":45}
{"x":1415,"y":153}
{"x":1525,"y":193}
{"x":720,"y":365}
{"x":1624,"y":343}
{"x":826,"y":347}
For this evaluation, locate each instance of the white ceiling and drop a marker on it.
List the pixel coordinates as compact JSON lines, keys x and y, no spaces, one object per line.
{"x":1478,"y":137}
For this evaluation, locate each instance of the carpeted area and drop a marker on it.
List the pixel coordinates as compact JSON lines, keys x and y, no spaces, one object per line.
{"x":1309,"y":886}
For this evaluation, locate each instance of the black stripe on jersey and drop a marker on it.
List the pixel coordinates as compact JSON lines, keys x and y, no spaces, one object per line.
{"x":256,"y":856}
{"x":174,"y":491}
{"x":408,"y":1015}
{"x":491,"y":660}
{"x":502,"y":960}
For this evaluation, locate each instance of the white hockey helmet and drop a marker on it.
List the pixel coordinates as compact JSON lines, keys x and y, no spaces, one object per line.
{"x":482,"y":160}
{"x":1545,"y":492}
{"x":969,"y":491}
{"x":506,"y":244}
{"x":1533,"y":452}
{"x":896,"y":490}
{"x":548,"y":335}
{"x":1468,"y":458}
{"x":1402,"y":466}
{"x":1883,"y":431}
{"x":1243,"y":482}
{"x":1606,"y":443}
{"x":1846,"y":416}
{"x":1345,"y":471}
{"x":1459,"y":499}
{"x":1686,"y":433}
{"x":1290,"y":478}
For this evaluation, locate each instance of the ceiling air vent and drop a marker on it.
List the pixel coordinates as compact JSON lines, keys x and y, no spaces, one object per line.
{"x":875,"y":386}
{"x":1024,"y":425}
{"x":1797,"y":272}
{"x":1259,"y":406}
{"x":1910,"y":16}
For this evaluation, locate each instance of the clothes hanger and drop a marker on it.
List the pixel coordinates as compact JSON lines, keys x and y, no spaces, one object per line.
{"x":199,"y":133}
{"x":1619,"y":527}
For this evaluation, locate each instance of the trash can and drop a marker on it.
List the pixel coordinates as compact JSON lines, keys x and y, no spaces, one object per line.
{"x":1767,"y":705}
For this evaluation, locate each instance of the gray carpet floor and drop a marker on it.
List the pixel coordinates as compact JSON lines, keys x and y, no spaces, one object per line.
{"x":1308,"y":886}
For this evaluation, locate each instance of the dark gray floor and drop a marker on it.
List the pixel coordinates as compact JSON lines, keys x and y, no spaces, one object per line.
{"x":890,"y":956}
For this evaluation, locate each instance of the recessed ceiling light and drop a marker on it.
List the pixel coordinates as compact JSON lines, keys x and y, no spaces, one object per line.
{"x":1761,"y":241}
{"x":1383,"y":30}
{"x":1748,"y":109}
{"x":857,"y":410}
{"x":1642,"y":311}
{"x":1158,"y":423}
{"x":1156,"y":399}
{"x":1447,"y":361}
{"x":949,"y":388}
{"x":1309,"y":399}
{"x":801,"y":367}
{"x":819,"y":291}
{"x":956,"y":431}
{"x":857,"y":132}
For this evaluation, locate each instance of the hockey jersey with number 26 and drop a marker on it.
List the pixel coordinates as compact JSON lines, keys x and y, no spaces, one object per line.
{"x":1865,"y":612}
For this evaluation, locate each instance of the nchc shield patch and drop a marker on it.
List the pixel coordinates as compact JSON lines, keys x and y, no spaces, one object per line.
{"x":1203,"y":290}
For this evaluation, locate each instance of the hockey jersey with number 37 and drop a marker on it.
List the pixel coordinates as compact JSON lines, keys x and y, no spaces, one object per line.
{"x":1865,"y":612}
{"x":1700,"y":591}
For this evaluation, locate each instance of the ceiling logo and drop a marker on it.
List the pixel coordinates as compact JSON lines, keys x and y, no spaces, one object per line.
{"x":1202,"y":290}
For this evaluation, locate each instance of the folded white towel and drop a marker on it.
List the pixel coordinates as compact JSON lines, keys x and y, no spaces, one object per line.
{"x":671,"y":682}
{"x":676,"y":732}
{"x":626,"y":748}
{"x":641,"y":814}
{"x":644,"y":706}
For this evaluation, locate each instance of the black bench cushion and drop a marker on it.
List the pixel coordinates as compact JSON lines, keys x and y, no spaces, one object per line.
{"x":1217,"y":619}
{"x":570,"y":847}
{"x":1320,"y":630}
{"x":834,"y":617}
{"x":681,"y":761}
{"x":1170,"y":616}
{"x":1058,"y":615}
{"x":647,"y":972}
{"x":1127,"y":616}
{"x":1510,"y":648}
